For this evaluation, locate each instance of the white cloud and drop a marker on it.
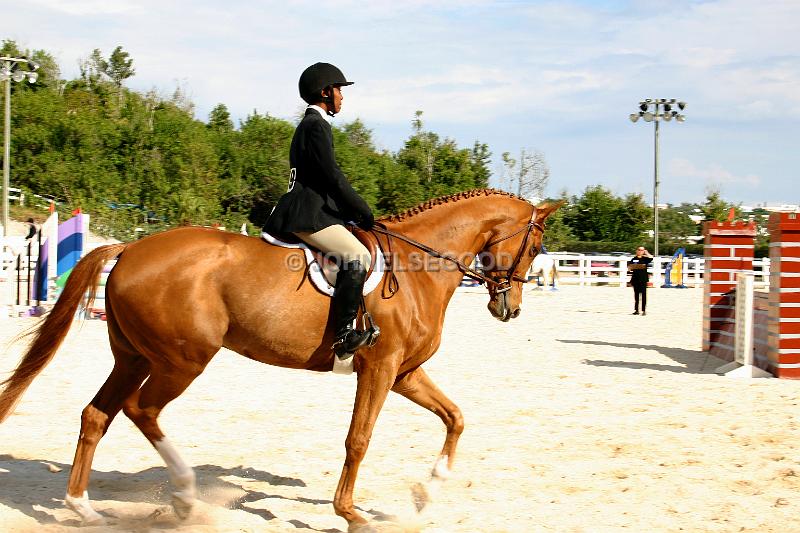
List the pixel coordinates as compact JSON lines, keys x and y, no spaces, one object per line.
{"x":713,"y":174}
{"x":90,"y":7}
{"x":704,"y":57}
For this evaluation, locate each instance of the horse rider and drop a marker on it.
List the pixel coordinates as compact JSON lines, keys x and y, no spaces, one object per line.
{"x":320,"y":201}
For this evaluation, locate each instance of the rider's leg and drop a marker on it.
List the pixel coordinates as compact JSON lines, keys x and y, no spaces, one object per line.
{"x":346,"y":301}
{"x":354,"y":261}
{"x":339,"y":243}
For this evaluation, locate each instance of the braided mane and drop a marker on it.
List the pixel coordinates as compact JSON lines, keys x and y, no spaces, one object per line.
{"x":425,"y":206}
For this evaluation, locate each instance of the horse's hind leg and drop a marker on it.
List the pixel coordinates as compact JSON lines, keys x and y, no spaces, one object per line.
{"x":418,"y":387}
{"x":143,"y":408}
{"x":126,"y":376}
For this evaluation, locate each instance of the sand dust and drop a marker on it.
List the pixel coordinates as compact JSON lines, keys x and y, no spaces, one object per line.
{"x":580,"y":417}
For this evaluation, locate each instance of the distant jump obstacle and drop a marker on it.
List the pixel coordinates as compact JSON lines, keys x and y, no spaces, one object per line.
{"x":673,"y":273}
{"x":60,"y":247}
{"x":750,"y":327}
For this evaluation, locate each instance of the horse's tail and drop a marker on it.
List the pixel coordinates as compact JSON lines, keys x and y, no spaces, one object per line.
{"x":48,"y":335}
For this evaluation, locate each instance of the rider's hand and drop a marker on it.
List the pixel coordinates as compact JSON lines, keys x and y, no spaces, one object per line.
{"x":367,"y":222}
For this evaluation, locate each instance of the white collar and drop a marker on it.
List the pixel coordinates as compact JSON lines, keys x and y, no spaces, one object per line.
{"x":321,"y":111}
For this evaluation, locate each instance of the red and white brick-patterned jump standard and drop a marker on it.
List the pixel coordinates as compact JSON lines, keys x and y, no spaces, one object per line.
{"x":784,"y":296}
{"x":728,"y":249}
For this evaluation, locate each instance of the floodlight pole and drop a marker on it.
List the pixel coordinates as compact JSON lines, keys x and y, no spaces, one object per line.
{"x":662,"y":109}
{"x":6,"y":146}
{"x":6,"y":73}
{"x":656,"y":183}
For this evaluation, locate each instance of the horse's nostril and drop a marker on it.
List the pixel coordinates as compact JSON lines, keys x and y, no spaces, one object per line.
{"x":516,"y":313}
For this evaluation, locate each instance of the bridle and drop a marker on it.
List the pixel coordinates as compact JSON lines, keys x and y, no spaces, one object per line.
{"x":499,"y":284}
{"x":510,"y":274}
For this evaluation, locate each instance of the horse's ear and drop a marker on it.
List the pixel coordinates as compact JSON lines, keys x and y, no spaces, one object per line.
{"x":546,"y":209}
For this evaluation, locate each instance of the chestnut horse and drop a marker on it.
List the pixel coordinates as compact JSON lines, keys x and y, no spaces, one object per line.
{"x":175,"y":298}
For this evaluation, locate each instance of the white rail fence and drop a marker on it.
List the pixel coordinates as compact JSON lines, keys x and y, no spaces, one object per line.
{"x":573,"y":268}
{"x":581,"y":269}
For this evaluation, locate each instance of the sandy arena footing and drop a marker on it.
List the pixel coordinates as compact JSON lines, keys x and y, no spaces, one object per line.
{"x":579,"y":417}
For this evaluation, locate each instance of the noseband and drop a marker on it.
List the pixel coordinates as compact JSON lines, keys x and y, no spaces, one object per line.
{"x":499,"y":284}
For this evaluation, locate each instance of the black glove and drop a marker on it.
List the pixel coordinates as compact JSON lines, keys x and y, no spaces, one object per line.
{"x":366,"y":222}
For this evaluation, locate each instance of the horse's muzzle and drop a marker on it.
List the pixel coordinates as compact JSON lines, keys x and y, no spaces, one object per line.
{"x":500,"y":309}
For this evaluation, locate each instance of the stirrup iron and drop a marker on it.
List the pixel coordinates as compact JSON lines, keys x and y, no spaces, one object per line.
{"x":369,"y":325}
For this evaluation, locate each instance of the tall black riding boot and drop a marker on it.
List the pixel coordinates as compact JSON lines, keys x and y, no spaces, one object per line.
{"x":346,"y":300}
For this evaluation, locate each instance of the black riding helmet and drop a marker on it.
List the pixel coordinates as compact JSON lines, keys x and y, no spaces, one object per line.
{"x":316,"y":78}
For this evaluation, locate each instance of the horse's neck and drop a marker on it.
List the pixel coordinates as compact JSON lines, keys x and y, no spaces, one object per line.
{"x":462,"y":226}
{"x":451,"y":234}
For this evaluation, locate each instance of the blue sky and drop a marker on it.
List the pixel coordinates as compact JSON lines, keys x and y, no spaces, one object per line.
{"x":559,"y":77}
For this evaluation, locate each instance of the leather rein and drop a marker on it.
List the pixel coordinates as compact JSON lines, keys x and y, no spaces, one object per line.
{"x":500,"y":283}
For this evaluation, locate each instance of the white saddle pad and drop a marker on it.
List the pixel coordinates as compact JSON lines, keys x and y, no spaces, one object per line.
{"x":323,"y":277}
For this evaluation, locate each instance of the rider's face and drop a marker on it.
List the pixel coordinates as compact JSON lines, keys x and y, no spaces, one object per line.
{"x":336,"y":94}
{"x":337,"y":99}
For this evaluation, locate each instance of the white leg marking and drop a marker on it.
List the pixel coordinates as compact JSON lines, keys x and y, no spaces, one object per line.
{"x":180,"y":475}
{"x":83,"y":507}
{"x":440,"y":469}
{"x":439,"y":475}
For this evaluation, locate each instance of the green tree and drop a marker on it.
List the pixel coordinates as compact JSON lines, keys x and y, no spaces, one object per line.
{"x":440,"y":166}
{"x":220,"y":118}
{"x":599,"y":215}
{"x":558,"y":236}
{"x":141,"y":163}
{"x":675,"y":225}
{"x":481,"y":159}
{"x":715,"y":208}
{"x":418,"y":152}
{"x":358,"y":161}
{"x":263,"y":151}
{"x":119,"y":66}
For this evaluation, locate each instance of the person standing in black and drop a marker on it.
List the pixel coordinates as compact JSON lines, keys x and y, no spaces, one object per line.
{"x":320,"y":201}
{"x":639,"y":277}
{"x":32,"y":230}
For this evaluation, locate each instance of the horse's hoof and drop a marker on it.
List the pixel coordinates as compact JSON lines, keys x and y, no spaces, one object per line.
{"x":83,"y":507}
{"x":420,"y":496}
{"x":360,"y":527}
{"x":182,"y":505}
{"x":363,"y":527}
{"x":94,"y":521}
{"x":159,"y":514}
{"x":379,"y":527}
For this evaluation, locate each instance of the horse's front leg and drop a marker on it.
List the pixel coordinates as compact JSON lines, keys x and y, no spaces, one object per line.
{"x":418,"y":387}
{"x":375,"y":378}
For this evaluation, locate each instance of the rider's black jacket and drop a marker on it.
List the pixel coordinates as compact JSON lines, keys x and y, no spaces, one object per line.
{"x":319,"y":194}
